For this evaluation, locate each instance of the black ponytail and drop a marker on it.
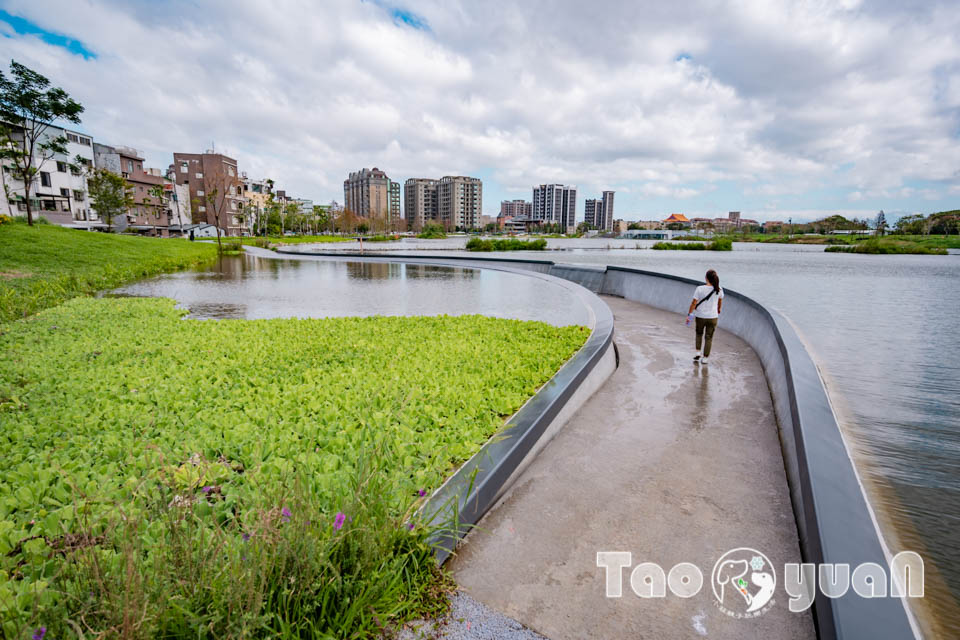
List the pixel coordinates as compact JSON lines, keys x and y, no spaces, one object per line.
{"x":714,"y":279}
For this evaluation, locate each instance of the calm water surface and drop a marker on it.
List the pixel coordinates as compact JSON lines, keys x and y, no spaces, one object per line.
{"x":253,"y":287}
{"x":883,"y":329}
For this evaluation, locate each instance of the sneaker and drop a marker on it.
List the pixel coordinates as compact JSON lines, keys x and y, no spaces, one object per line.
{"x":704,"y":361}
{"x":696,"y":358}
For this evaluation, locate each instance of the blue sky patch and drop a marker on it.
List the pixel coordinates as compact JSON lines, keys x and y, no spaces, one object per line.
{"x":25,"y":27}
{"x":403,"y":17}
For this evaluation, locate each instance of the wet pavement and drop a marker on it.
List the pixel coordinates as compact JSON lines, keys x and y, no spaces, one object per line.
{"x":671,"y":461}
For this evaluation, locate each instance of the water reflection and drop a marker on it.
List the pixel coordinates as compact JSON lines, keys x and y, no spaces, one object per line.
{"x":253,"y":287}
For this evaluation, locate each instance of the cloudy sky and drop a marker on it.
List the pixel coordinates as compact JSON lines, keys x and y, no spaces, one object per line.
{"x":792,"y":109}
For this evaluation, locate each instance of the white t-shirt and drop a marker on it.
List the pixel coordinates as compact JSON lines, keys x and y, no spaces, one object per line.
{"x":708,"y":309}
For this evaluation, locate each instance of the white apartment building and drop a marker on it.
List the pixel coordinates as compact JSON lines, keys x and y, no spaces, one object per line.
{"x":59,"y":192}
{"x":556,"y":204}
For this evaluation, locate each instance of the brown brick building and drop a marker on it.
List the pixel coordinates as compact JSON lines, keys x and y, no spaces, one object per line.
{"x":206,"y":173}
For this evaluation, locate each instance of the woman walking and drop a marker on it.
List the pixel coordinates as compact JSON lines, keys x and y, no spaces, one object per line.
{"x":706,"y":306}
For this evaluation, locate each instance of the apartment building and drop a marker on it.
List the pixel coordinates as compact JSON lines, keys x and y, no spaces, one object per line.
{"x":149,"y":213}
{"x":59,"y":191}
{"x":460,"y":202}
{"x":515,"y":209}
{"x":370,"y":193}
{"x":215,"y":187}
{"x":420,"y":202}
{"x":256,"y":199}
{"x":555,"y":204}
{"x":598,"y":213}
{"x":593,"y":212}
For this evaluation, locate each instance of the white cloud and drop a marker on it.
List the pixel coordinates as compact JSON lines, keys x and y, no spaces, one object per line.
{"x":656,"y":101}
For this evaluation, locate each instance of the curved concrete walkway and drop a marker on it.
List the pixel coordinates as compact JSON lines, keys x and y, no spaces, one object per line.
{"x":672,"y":461}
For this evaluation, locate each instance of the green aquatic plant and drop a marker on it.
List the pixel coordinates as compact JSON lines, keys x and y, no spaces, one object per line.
{"x":240,"y":478}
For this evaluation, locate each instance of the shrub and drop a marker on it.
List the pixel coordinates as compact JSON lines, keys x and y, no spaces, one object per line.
{"x":679,"y":246}
{"x":721,"y":244}
{"x":432,"y":230}
{"x":505,"y":244}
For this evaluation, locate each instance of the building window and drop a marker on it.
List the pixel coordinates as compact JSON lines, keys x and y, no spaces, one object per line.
{"x":129,"y":166}
{"x":65,"y":192}
{"x":77,"y":195}
{"x":199,"y":192}
{"x":65,"y":206}
{"x":61,"y":166}
{"x":199,"y":176}
{"x":201,"y":209}
{"x":184,"y":167}
{"x":49,"y":205}
{"x":230,"y":170}
{"x":44,"y":179}
{"x":233,"y":205}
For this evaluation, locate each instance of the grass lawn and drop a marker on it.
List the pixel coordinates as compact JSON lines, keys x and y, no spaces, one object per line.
{"x":178,"y":478}
{"x":44,"y":265}
{"x":894,"y":245}
{"x":930,"y":242}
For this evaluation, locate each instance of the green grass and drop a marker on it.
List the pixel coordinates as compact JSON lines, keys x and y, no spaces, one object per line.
{"x":168,"y":477}
{"x":888,"y":246}
{"x":44,"y":265}
{"x":720,"y":244}
{"x":930,"y":242}
{"x":505,"y":244}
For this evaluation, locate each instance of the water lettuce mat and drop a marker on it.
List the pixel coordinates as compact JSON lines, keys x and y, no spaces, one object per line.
{"x":172,"y":477}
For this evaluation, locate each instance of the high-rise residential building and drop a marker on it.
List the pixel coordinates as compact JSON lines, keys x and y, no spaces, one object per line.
{"x":394,"y":203}
{"x":599,"y":213}
{"x":215,"y":188}
{"x":515,"y":209}
{"x":460,"y":202}
{"x":420,"y":202}
{"x":555,"y":204}
{"x":369,"y":193}
{"x":608,"y":210}
{"x":593,"y":212}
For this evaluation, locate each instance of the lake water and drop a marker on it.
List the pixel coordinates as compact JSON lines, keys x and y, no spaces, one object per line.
{"x":882,"y":329}
{"x":254,"y":287}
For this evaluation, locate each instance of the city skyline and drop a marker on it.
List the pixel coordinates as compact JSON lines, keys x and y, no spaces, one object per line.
{"x":776,"y":111}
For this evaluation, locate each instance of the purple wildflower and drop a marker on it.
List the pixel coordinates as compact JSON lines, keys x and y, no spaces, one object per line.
{"x":39,"y":633}
{"x":207,"y":489}
{"x":286,"y":514}
{"x":410,"y":526}
{"x":338,"y":521}
{"x":421,"y":493}
{"x":245,"y":536}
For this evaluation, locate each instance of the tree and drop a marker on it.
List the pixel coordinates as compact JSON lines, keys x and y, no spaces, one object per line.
{"x":30,"y":105}
{"x":220,"y":184}
{"x":110,"y":195}
{"x":881,"y":223}
{"x":321,"y":216}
